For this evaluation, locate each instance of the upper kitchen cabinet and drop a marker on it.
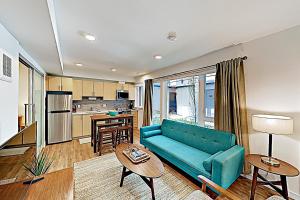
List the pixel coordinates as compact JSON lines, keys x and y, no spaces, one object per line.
{"x":87,"y":88}
{"x":131,"y":90}
{"x":77,"y":89}
{"x":56,"y":83}
{"x":98,"y":88}
{"x":66,"y":84}
{"x":122,"y":86}
{"x":109,"y":91}
{"x":92,"y":88}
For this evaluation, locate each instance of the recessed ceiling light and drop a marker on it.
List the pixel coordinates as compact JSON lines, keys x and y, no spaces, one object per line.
{"x":79,"y":64}
{"x":87,"y":36}
{"x":172,"y":36}
{"x":157,"y":57}
{"x":90,"y":37}
{"x":113,"y":69}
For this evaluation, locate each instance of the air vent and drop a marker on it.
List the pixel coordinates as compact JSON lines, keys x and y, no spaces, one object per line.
{"x":5,"y":67}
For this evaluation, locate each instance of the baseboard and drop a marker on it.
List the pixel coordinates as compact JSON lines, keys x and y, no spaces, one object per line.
{"x":291,"y":194}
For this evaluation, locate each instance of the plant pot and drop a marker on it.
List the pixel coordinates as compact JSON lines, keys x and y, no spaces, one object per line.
{"x":34,"y":180}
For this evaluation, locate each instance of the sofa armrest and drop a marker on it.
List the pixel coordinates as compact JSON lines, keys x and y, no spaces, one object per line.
{"x":224,"y":193}
{"x":227,"y":166}
{"x":149,"y":131}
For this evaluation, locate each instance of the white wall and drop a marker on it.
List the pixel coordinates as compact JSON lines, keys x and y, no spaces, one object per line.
{"x":272,"y":74}
{"x":9,"y":90}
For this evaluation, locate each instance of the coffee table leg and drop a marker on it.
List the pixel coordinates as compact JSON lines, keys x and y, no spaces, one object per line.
{"x":123,"y":176}
{"x":284,"y":187}
{"x":254,"y":182}
{"x":152,"y":188}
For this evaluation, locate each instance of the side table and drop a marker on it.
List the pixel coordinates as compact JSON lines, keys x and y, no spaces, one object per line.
{"x":283,"y":170}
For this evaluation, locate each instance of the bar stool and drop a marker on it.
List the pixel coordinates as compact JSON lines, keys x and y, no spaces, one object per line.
{"x":106,"y":135}
{"x":123,"y":133}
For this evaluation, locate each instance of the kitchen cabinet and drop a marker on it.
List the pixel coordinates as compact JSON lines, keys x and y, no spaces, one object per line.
{"x":77,"y":126}
{"x":77,"y":89}
{"x":56,"y":83}
{"x":135,"y":119}
{"x":109,"y":91}
{"x":86,"y":125}
{"x":92,"y":88}
{"x":66,"y":84}
{"x":98,"y":88}
{"x":122,"y":86}
{"x":87,"y":88}
{"x":131,"y":90}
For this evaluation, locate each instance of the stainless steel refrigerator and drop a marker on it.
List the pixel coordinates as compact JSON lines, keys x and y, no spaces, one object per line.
{"x":59,"y":117}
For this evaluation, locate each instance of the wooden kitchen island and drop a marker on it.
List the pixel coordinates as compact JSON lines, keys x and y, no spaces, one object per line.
{"x":108,"y":119}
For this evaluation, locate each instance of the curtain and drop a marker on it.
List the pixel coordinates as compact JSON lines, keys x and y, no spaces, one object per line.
{"x":230,"y":102}
{"x":147,"y":117}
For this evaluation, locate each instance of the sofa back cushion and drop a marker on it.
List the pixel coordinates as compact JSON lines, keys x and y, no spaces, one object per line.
{"x":207,"y":140}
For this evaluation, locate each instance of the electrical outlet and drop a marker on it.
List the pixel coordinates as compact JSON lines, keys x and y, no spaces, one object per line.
{"x":104,"y":105}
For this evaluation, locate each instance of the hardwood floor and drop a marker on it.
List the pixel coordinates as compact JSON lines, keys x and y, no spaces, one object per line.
{"x":65,"y":154}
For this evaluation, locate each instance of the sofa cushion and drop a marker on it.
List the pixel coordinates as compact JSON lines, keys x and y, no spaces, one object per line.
{"x":207,"y":163}
{"x":152,"y":133}
{"x":188,"y":157}
{"x":207,"y":140}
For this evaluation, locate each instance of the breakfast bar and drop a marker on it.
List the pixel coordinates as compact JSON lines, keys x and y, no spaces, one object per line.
{"x":108,"y":121}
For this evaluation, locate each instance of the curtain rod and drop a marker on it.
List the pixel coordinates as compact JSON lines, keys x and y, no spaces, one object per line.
{"x":193,"y":70}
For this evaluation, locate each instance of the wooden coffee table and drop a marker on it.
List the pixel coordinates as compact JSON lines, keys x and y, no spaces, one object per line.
{"x":283,"y":170}
{"x":152,"y":168}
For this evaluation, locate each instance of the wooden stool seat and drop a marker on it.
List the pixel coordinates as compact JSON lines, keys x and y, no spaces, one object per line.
{"x":122,"y":133}
{"x":107,"y":135}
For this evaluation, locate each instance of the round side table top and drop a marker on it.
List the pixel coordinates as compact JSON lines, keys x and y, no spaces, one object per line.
{"x":152,"y":168}
{"x":284,"y":168}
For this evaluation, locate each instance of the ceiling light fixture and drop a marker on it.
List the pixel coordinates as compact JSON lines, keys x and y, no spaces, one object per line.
{"x":157,"y":57}
{"x":113,"y":69}
{"x":87,"y":36}
{"x":79,"y":64}
{"x":90,"y":37}
{"x":172,"y":36}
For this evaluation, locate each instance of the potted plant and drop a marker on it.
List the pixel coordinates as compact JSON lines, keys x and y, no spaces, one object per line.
{"x":38,"y":166}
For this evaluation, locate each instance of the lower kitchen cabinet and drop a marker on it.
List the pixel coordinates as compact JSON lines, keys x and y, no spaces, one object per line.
{"x":86,"y":125}
{"x":77,"y":126}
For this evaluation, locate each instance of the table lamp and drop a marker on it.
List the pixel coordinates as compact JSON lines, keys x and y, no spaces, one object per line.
{"x":272,"y":124}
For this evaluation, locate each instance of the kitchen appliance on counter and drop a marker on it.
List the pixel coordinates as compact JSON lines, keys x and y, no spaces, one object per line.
{"x":58,"y":117}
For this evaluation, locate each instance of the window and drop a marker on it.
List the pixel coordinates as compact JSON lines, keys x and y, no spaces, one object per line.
{"x":156,"y":104}
{"x":209,"y":100}
{"x":139,"y":90}
{"x":182,"y":98}
{"x":189,"y":99}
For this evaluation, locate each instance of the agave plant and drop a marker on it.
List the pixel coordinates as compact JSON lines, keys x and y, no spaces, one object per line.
{"x":39,"y":164}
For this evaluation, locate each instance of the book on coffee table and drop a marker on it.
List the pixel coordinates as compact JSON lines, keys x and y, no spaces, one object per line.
{"x":136,"y":155}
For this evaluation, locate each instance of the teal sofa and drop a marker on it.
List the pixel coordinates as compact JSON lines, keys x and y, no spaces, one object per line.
{"x":196,"y":150}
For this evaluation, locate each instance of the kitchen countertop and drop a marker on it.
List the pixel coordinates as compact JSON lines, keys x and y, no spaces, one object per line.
{"x":96,"y":112}
{"x":89,"y":112}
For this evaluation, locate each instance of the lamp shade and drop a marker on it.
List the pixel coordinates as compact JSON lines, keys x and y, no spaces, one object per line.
{"x":272,"y":124}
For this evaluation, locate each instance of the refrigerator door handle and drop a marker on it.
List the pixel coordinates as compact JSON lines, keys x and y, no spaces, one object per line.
{"x":60,"y":111}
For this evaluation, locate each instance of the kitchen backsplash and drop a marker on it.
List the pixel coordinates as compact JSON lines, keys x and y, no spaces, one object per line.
{"x":101,"y":105}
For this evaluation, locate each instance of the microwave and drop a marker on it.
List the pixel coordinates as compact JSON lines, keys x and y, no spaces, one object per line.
{"x":122,"y":94}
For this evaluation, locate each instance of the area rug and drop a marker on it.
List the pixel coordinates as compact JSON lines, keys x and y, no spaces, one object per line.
{"x":84,"y":140}
{"x":99,"y":178}
{"x":13,"y":151}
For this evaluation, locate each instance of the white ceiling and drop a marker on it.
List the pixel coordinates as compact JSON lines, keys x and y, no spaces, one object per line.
{"x":130,"y":32}
{"x":29,"y":22}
